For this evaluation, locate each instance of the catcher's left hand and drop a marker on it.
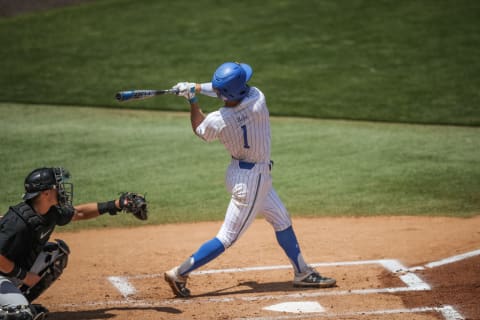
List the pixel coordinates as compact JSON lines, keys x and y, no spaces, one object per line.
{"x":135,"y":204}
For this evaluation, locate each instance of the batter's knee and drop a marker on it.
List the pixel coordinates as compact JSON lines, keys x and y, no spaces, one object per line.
{"x":226,"y":240}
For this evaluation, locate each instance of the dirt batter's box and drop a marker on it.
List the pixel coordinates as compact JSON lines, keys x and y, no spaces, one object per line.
{"x":124,"y":284}
{"x":406,"y":280}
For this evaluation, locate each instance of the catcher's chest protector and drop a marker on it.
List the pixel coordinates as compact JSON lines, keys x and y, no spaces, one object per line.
{"x":31,"y":219}
{"x":39,"y":228}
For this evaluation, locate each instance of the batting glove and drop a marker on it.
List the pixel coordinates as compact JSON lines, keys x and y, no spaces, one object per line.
{"x":187,"y":90}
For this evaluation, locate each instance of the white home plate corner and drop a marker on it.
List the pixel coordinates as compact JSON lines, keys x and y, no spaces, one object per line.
{"x":297,"y":307}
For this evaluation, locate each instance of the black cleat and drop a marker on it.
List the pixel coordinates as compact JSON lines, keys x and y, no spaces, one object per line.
{"x":313,"y":279}
{"x":177,"y":283}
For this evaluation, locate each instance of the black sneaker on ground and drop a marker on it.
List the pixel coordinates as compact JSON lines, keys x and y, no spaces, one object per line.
{"x":313,"y":279}
{"x":177,"y":283}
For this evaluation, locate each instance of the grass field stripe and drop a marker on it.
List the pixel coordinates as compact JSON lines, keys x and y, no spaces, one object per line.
{"x":448,"y":312}
{"x":122,"y":285}
{"x":453,"y":259}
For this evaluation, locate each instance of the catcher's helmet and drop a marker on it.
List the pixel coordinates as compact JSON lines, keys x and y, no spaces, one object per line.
{"x":38,"y":180}
{"x":49,"y":178}
{"x":230,"y":81}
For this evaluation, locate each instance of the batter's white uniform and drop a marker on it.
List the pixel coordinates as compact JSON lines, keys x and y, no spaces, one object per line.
{"x":244,"y":130}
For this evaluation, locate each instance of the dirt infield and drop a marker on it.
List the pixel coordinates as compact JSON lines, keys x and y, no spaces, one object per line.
{"x":382,"y":266}
{"x":117,"y":273}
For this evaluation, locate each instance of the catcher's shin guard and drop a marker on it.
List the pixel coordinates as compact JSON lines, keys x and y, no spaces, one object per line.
{"x":49,"y":266}
{"x":17,"y":313}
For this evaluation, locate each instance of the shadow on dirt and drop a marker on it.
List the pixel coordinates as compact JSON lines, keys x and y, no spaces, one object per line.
{"x":105,"y":313}
{"x":253,"y":287}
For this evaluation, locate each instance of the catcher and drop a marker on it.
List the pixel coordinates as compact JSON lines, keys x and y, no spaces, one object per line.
{"x":29,"y":263}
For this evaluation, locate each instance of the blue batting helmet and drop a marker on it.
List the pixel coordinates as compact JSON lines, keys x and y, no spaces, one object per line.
{"x":230,"y":81}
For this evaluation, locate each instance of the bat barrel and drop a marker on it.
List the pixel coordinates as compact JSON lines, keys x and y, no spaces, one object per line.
{"x":141,"y":94}
{"x":124,"y":95}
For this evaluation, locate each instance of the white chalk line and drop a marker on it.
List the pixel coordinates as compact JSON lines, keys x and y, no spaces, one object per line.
{"x":453,"y":259}
{"x":406,"y":275}
{"x":259,"y":268}
{"x":124,"y":287}
{"x":443,"y":262}
{"x":414,"y":283}
{"x":448,"y":312}
{"x":302,"y":295}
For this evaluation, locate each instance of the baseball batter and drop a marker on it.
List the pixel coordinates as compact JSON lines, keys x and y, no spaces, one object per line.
{"x":242,"y":124}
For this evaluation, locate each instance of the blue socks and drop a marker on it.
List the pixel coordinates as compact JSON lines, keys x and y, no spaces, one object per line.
{"x":207,"y":252}
{"x":288,"y":241}
{"x":213,"y":248}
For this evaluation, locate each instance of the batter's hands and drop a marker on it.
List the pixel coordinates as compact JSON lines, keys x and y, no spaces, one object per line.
{"x":187,"y":90}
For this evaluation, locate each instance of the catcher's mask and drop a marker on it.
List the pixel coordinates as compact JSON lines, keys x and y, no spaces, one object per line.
{"x":49,"y":178}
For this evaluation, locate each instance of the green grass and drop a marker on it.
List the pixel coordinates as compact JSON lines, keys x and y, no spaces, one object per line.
{"x":400,"y":61}
{"x":322,"y":167}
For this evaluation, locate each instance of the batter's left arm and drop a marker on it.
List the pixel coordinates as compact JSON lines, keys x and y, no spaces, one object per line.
{"x":196,"y":114}
{"x":206,"y":89}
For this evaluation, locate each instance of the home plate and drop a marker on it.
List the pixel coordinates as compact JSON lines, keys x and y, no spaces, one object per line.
{"x":297,"y":307}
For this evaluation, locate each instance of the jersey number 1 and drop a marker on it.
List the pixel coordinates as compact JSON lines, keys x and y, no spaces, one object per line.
{"x":245,"y":139}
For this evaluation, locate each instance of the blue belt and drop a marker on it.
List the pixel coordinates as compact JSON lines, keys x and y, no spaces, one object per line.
{"x":246,"y":165}
{"x":249,"y":165}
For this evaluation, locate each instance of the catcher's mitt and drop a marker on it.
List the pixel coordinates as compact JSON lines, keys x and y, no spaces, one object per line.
{"x":135,"y":204}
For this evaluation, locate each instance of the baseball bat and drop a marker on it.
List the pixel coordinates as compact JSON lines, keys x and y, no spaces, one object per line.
{"x":142,"y":94}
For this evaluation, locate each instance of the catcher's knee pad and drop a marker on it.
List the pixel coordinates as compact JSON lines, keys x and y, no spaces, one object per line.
{"x":16,"y":313}
{"x":49,"y":266}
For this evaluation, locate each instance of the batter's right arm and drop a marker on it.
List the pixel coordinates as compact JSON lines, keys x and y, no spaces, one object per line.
{"x":188,"y":90}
